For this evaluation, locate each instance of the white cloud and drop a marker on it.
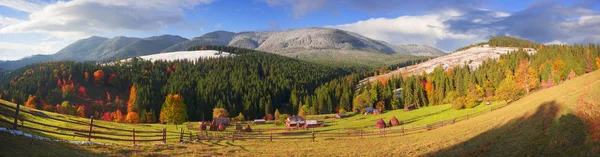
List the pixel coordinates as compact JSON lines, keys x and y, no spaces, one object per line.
{"x":6,"y":21}
{"x":82,"y":18}
{"x":218,"y":25}
{"x":14,"y":51}
{"x":21,"y":5}
{"x":425,"y":29}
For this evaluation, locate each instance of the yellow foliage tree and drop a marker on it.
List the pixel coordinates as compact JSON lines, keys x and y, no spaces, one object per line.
{"x":525,"y":76}
{"x":220,"y":113}
{"x":31,"y":102}
{"x":173,"y":110}
{"x":598,"y":62}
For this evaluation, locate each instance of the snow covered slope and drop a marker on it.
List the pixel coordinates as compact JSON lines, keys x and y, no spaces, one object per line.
{"x":180,"y":55}
{"x":473,"y":57}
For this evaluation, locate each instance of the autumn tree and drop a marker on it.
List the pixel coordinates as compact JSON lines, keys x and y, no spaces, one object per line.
{"x":99,"y":77}
{"x":31,"y":102}
{"x":507,"y":89}
{"x":81,"y":111}
{"x":220,"y":113}
{"x":526,"y":77}
{"x":429,"y":90}
{"x":557,"y":69}
{"x":118,"y":116}
{"x":589,"y":64}
{"x":572,"y":75}
{"x":132,"y":117}
{"x":131,"y":102}
{"x":86,"y":77}
{"x":277,"y":114}
{"x":598,"y":62}
{"x":174,"y":110}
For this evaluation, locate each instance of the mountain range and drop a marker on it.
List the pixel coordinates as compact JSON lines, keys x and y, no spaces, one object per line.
{"x":315,"y":44}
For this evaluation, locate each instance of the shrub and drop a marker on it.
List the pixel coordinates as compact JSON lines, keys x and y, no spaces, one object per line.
{"x":459,"y":103}
{"x":240,"y":117}
{"x":132,"y":117}
{"x":282,"y":119}
{"x":342,"y":111}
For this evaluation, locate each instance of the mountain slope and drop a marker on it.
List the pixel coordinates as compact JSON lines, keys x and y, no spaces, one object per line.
{"x":100,"y":49}
{"x":212,"y":38}
{"x":146,"y":46}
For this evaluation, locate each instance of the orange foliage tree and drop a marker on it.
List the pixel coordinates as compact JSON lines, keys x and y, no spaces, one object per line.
{"x":132,"y":117}
{"x":99,"y":77}
{"x":525,"y":76}
{"x":118,"y":116}
{"x":86,"y":77}
{"x":31,"y":102}
{"x":81,"y":111}
{"x":82,"y":91}
{"x":131,"y":107}
{"x":429,"y":90}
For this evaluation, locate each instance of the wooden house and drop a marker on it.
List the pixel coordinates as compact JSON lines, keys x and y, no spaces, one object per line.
{"x":294,"y":121}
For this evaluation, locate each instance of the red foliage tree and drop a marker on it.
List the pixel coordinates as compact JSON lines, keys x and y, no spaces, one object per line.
{"x":118,"y":116}
{"x":107,"y":117}
{"x":82,"y":91}
{"x":86,"y":77}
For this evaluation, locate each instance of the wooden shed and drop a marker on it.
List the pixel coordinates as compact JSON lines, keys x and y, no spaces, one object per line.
{"x":294,"y":121}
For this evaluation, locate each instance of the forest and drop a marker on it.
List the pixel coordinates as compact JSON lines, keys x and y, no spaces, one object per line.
{"x":253,"y":84}
{"x":512,"y":75}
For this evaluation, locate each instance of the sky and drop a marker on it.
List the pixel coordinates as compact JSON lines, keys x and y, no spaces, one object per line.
{"x":29,"y":27}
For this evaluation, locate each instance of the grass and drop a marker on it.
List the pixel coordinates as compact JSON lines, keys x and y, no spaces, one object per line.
{"x":541,"y":124}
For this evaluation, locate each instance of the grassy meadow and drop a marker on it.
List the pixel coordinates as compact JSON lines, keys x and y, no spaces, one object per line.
{"x":544,"y":123}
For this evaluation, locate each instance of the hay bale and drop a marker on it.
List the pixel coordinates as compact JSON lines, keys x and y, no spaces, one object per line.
{"x":213,"y":126}
{"x":202,"y":126}
{"x":221,"y":127}
{"x":394,"y":121}
{"x":247,"y":128}
{"x":380,"y":123}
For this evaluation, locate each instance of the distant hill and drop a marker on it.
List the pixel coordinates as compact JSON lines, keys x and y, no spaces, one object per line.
{"x":314,"y":44}
{"x":99,"y":49}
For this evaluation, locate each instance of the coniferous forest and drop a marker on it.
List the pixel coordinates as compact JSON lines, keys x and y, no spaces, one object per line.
{"x":255,"y":84}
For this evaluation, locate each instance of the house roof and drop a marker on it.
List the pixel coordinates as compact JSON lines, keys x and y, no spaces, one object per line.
{"x":259,"y":120}
{"x":310,"y":122}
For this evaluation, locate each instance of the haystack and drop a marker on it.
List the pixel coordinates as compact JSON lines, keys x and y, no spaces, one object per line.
{"x":202,"y":126}
{"x":247,"y":128}
{"x":394,"y":121}
{"x":380,"y":123}
{"x":213,"y":126}
{"x":221,"y":127}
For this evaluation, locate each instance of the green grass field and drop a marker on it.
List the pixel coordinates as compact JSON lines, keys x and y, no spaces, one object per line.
{"x":543,"y":123}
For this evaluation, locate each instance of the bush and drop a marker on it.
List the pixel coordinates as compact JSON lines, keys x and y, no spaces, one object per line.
{"x":240,"y":117}
{"x":282,"y":119}
{"x":342,"y":111}
{"x":459,"y":103}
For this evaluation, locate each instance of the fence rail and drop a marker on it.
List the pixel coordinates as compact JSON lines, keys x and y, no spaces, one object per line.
{"x":119,"y":134}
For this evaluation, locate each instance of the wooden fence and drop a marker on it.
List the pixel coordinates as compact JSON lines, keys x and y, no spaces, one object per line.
{"x":119,"y":134}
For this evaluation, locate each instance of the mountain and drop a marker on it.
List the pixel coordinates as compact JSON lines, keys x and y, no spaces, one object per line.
{"x":145,"y":46}
{"x":325,"y":45}
{"x":98,"y":49}
{"x":212,"y":38}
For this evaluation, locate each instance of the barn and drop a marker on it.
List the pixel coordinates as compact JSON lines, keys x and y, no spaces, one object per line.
{"x":312,"y":124}
{"x":294,"y":121}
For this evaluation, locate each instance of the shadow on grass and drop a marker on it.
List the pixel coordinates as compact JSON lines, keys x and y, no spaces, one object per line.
{"x":539,"y":134}
{"x":11,"y":145}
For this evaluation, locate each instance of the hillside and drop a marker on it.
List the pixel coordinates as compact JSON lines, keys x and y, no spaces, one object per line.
{"x":546,"y":122}
{"x":99,"y":49}
{"x":182,"y":55}
{"x":473,"y":57}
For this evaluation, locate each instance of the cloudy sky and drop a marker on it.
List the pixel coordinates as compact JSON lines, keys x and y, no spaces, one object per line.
{"x":29,"y":27}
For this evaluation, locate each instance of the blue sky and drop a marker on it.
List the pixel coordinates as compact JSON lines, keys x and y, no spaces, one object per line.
{"x":29,"y":27}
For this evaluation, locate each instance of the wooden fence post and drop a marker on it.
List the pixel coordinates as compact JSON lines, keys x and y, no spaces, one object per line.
{"x":133,"y":136}
{"x":403,"y":129}
{"x":16,"y":117}
{"x":362,"y":133}
{"x":383,"y":132}
{"x":339,"y":135}
{"x":181,"y":135}
{"x":271,"y":137}
{"x":313,"y":136}
{"x":190,"y":135}
{"x":91,"y":124}
{"x":233,"y":137}
{"x":164,"y":132}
